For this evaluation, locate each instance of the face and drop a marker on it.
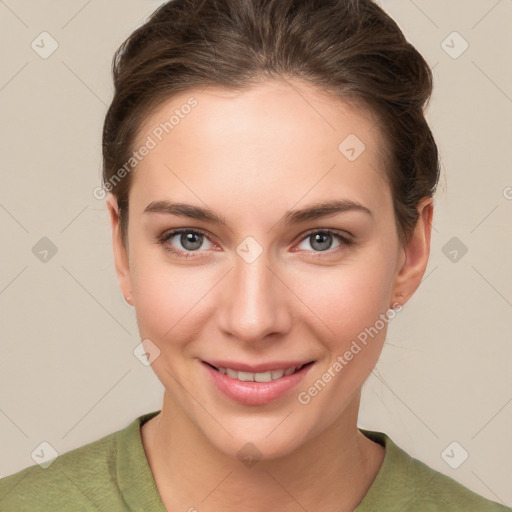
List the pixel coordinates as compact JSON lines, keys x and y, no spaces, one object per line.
{"x":260,"y":284}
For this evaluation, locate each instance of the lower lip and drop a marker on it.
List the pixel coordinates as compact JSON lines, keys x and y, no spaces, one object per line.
{"x":256,"y":393}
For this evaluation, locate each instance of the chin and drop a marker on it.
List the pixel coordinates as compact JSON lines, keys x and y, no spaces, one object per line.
{"x":251,"y":450}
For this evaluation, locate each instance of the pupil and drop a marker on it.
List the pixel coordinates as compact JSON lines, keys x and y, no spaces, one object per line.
{"x":322,"y":235}
{"x":187,"y":238}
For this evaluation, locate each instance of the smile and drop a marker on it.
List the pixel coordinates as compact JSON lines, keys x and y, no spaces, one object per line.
{"x":256,"y":388}
{"x":258,"y":376}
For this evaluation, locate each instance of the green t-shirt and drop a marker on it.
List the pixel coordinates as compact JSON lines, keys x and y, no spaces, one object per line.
{"x":113,"y":474}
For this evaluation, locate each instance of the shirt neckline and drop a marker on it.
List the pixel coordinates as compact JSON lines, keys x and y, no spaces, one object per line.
{"x":134,"y":476}
{"x":138,"y":487}
{"x":372,"y":501}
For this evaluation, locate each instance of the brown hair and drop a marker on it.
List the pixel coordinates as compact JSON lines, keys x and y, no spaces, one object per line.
{"x":350,"y":49}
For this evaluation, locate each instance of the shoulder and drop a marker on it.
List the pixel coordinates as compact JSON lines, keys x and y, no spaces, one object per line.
{"x":408,"y":484}
{"x":441,"y":492}
{"x":83,"y":476}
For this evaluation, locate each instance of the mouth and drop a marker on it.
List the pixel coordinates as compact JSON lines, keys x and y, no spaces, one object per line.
{"x":264,"y":376}
{"x":256,"y":388}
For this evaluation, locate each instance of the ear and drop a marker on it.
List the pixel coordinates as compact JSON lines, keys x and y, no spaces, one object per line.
{"x":120,"y":252}
{"x":415,"y":253}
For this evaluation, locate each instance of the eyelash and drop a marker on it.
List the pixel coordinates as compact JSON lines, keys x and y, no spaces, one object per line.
{"x":347,"y":242}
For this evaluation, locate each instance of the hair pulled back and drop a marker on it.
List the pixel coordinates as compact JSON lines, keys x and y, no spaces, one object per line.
{"x":350,"y":49}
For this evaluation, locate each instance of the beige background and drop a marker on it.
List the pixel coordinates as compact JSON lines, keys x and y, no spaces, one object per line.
{"x":68,"y":373}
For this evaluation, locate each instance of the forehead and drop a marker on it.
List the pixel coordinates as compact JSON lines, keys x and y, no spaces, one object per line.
{"x":275,"y":140}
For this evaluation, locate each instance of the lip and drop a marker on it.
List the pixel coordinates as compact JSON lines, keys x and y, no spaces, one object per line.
{"x":257,"y":368}
{"x":255,"y":393}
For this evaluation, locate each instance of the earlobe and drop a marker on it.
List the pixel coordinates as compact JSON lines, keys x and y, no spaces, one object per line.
{"x":416,"y":251}
{"x":121,"y":260}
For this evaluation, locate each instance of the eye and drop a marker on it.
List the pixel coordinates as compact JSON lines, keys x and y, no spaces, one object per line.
{"x":321,"y":240}
{"x":190,"y":240}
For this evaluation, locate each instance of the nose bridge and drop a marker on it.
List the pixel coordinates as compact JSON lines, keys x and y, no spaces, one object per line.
{"x":254,"y":304}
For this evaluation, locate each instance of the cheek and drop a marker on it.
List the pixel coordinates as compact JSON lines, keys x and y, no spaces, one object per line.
{"x":351,"y":307}
{"x":169,"y":298}
{"x":350,"y":297}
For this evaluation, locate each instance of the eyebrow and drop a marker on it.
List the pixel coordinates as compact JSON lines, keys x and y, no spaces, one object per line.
{"x":316,"y":211}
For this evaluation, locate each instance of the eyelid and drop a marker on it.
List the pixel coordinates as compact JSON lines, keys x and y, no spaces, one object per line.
{"x":338,"y":232}
{"x":167,"y":235}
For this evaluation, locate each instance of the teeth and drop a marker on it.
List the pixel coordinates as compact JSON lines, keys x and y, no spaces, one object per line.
{"x":257,"y":377}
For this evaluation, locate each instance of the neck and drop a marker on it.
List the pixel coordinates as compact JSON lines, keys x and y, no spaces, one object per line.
{"x":331,"y":472}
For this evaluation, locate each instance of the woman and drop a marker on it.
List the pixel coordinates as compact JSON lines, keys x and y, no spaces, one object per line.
{"x":270,"y":179}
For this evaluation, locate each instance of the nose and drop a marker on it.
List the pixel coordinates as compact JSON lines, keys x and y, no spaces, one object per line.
{"x":255,"y":301}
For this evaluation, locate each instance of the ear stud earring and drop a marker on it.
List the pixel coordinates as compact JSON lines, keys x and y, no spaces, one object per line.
{"x":126,"y":301}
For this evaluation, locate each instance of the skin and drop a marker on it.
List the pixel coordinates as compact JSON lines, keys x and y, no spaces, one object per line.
{"x":250,"y":157}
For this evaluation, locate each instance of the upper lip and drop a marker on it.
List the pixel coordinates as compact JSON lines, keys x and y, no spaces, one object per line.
{"x":258,"y":368}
